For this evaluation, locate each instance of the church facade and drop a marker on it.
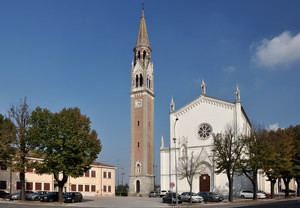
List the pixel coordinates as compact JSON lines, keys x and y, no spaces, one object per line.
{"x":193,"y":126}
{"x":141,"y":179}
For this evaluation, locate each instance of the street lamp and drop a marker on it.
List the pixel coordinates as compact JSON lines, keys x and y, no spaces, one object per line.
{"x":174,"y":140}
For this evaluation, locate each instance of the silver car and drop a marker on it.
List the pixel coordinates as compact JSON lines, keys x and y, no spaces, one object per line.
{"x":187,"y":196}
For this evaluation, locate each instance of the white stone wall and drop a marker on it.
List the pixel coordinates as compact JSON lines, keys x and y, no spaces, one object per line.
{"x":221,"y":115}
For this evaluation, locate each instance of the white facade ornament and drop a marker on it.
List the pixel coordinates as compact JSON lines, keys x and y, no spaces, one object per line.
{"x":203,"y":87}
{"x":172,"y":106}
{"x":162,"y":142}
{"x":237,"y":94}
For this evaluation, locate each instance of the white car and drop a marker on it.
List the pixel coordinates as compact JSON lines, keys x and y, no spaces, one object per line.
{"x":162,"y":193}
{"x":249,"y":195}
{"x":186,"y":196}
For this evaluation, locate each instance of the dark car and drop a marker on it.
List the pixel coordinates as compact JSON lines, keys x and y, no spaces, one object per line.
{"x":17,"y":195}
{"x":36,"y":196}
{"x":153,"y":194}
{"x":211,"y":196}
{"x":49,"y":197}
{"x":4,"y":194}
{"x":72,"y":197}
{"x":170,"y":197}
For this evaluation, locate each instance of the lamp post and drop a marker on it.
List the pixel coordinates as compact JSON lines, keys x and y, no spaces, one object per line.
{"x":174,"y":140}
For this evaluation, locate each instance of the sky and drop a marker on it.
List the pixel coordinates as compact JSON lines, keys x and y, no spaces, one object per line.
{"x":78,"y":53}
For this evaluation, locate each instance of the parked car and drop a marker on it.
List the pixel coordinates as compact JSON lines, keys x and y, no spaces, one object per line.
{"x":4,"y":194}
{"x":187,"y":196}
{"x":162,"y":193}
{"x":49,"y":197}
{"x":170,"y":197}
{"x":17,"y":195}
{"x":211,"y":196}
{"x":291,"y":192}
{"x":72,"y":197}
{"x":35,"y":196}
{"x":268,"y":195}
{"x":153,"y":194}
{"x":249,"y":195}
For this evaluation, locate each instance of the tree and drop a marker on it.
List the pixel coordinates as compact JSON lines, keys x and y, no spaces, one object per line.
{"x":66,"y":142}
{"x":7,"y":139}
{"x":228,"y":150}
{"x":253,"y":154}
{"x":269,"y":159}
{"x":284,"y":148}
{"x":19,"y":115}
{"x":188,"y":168}
{"x":294,"y":131}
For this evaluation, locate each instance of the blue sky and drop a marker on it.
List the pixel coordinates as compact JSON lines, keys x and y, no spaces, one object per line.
{"x":63,"y":53}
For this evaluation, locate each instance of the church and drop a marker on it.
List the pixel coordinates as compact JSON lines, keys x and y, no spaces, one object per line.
{"x":191,"y":132}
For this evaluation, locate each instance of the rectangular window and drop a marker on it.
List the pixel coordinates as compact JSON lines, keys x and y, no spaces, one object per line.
{"x":3,"y":167}
{"x":104,"y":174}
{"x":18,"y":185}
{"x":46,"y":186}
{"x":109,"y":174}
{"x":80,"y":187}
{"x":3,"y":185}
{"x":87,"y":188}
{"x":93,"y":188}
{"x":104,"y":188}
{"x":29,"y":186}
{"x":73,"y":187}
{"x":109,"y":188}
{"x":38,"y":186}
{"x":87,"y":174}
{"x":93,"y":174}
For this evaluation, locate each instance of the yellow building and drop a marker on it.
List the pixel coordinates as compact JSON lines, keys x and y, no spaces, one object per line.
{"x":98,"y":181}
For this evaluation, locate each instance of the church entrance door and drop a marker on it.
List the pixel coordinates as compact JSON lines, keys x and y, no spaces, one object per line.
{"x":138,"y":186}
{"x":204,"y":183}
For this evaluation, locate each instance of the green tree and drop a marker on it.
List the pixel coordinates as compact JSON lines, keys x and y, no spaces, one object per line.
{"x":188,"y":167}
{"x":284,"y":148}
{"x":7,"y":139}
{"x":294,"y":131}
{"x":66,"y":142}
{"x":269,"y":159}
{"x":19,"y":115}
{"x":228,"y":150}
{"x":250,"y":163}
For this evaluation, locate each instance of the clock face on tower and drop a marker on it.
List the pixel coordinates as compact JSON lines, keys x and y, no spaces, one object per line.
{"x":138,"y":103}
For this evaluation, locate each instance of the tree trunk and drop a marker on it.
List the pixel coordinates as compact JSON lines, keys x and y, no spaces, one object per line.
{"x":61,"y":192}
{"x":191,"y":188}
{"x":272,"y":187}
{"x":254,"y":183}
{"x":61,"y":184}
{"x":298,"y":186}
{"x":287,"y":187}
{"x":230,"y":186}
{"x":22,"y":181}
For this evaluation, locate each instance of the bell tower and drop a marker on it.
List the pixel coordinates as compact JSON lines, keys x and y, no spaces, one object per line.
{"x":141,"y":179}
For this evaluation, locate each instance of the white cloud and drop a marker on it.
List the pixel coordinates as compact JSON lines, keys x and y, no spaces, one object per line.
{"x":273,"y":127}
{"x":281,"y":50}
{"x":229,"y":69}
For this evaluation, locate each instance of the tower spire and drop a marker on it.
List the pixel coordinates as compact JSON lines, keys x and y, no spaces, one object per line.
{"x":142,"y":39}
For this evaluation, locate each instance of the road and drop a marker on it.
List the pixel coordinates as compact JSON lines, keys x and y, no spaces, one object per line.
{"x":137,"y":202}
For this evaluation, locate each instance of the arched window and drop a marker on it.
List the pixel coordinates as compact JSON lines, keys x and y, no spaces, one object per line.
{"x":141,"y":80}
{"x":139,"y":55}
{"x":138,"y":145}
{"x":144,"y":55}
{"x":138,"y":168}
{"x":136,"y":80}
